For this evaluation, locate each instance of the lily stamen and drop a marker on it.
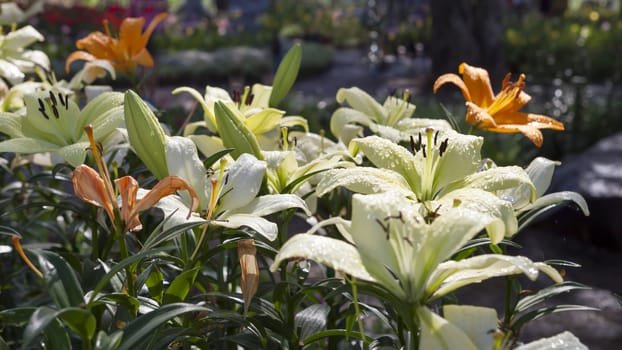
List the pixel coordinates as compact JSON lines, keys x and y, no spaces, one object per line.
{"x":20,"y":251}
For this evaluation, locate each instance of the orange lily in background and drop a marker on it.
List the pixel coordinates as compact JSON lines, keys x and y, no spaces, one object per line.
{"x":498,"y":113}
{"x":123,"y":53}
{"x":96,"y":188}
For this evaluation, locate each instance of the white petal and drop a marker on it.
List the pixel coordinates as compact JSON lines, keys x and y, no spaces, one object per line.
{"x":270,"y":204}
{"x":182,"y":160}
{"x":361,"y":180}
{"x":478,"y":323}
{"x":331,"y":252}
{"x":260,"y":225}
{"x":362,"y":102}
{"x":439,"y":334}
{"x":243,"y":180}
{"x":389,"y":155}
{"x":556,"y":198}
{"x":451,"y":275}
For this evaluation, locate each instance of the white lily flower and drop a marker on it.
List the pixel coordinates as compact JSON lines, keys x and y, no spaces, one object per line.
{"x":15,"y":59}
{"x":54,"y":123}
{"x":391,"y":120}
{"x":394,"y":247}
{"x":540,"y":171}
{"x":230,"y":196}
{"x":443,"y":170}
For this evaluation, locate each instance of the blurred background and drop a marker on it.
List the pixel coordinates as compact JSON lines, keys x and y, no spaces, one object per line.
{"x":569,"y":49}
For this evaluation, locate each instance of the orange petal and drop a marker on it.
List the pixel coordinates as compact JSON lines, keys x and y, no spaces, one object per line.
{"x":477,"y":82}
{"x":154,"y":23}
{"x":130,"y":35}
{"x":536,"y":120}
{"x":89,"y":186}
{"x":163,"y":188}
{"x":531,"y":132}
{"x":78,"y":55}
{"x":143,"y":58}
{"x":479,"y":117}
{"x":128,"y":188}
{"x":454,"y":79}
{"x":96,"y":43}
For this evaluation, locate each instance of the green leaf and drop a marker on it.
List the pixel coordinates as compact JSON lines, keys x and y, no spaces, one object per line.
{"x":107,"y":342}
{"x":3,"y":344}
{"x":56,"y":336}
{"x":311,"y":320}
{"x":546,"y":293}
{"x":215,"y":157}
{"x":340,"y":333}
{"x":80,"y":321}
{"x":179,"y":288}
{"x":120,"y":266}
{"x":285,"y":75}
{"x":144,"y":327}
{"x":234,"y":133}
{"x":536,"y":314}
{"x":61,"y":280}
{"x":155,"y":283}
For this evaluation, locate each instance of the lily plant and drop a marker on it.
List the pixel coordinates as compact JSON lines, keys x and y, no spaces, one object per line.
{"x":53,"y":122}
{"x":498,"y":113}
{"x":392,"y":119}
{"x":441,"y":169}
{"x":390,"y":243}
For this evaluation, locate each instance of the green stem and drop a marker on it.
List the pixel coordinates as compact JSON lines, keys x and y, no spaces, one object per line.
{"x":199,"y":244}
{"x":129,"y":273}
{"x":357,"y":310}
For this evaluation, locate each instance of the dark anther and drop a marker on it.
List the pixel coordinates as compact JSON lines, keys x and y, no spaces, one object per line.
{"x":398,"y":216}
{"x":385,"y":228}
{"x":412,"y":145}
{"x":226,"y":179}
{"x":407,"y":240}
{"x":60,"y":98}
{"x":42,"y":109}
{"x":236,"y":95}
{"x":443,"y":147}
{"x":249,"y":99}
{"x":66,"y":102}
{"x":424,"y":155}
{"x":55,"y":111}
{"x":53,"y":98}
{"x":435,"y":137}
{"x":295,"y":141}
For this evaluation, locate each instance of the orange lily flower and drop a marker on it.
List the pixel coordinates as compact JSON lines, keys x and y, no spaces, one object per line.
{"x":123,"y":53}
{"x":96,"y":188}
{"x":498,"y":113}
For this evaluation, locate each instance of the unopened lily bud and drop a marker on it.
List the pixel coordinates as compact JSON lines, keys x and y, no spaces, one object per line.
{"x":249,"y":280}
{"x":234,"y":133}
{"x":145,"y":134}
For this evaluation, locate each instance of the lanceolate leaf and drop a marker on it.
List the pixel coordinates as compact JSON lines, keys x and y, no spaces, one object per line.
{"x":286,"y":75}
{"x":62,"y":281}
{"x":144,"y":328}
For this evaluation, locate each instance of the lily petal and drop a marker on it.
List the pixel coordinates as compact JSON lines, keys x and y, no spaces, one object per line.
{"x":478,"y":83}
{"x":89,"y":186}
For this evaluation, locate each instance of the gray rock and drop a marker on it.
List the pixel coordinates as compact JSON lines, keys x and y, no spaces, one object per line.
{"x":596,"y":173}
